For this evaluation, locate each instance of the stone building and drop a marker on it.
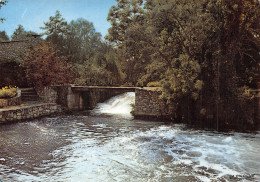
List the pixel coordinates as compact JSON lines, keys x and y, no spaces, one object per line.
{"x":10,"y":57}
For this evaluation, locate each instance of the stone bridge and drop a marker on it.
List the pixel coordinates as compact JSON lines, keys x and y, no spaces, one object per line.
{"x":80,"y":97}
{"x":86,"y":97}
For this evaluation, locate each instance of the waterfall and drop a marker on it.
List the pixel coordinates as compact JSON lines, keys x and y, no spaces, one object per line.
{"x":118,"y":105}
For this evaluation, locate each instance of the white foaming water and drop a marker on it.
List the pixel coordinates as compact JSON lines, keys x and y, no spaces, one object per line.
{"x":159,"y":153}
{"x":118,"y":105}
{"x":118,"y":148}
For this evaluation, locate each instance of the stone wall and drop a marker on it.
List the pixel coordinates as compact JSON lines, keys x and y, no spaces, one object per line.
{"x":62,"y":95}
{"x":48,"y":94}
{"x":72,"y":99}
{"x":28,"y":112}
{"x":148,"y":105}
{"x":11,"y":101}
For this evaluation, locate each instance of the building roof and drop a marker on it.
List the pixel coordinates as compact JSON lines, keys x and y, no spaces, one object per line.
{"x":12,"y":49}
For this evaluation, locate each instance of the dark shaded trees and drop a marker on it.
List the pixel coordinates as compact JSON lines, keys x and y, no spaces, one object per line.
{"x":91,"y":55}
{"x":203,"y":53}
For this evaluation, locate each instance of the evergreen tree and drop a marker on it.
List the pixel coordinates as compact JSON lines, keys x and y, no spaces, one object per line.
{"x":57,"y":31}
{"x":19,"y":33}
{"x":3,"y":36}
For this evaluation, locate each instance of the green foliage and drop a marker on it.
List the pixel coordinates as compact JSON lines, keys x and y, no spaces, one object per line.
{"x":126,"y":33}
{"x":107,"y":72}
{"x":83,"y":41}
{"x":2,"y":3}
{"x":21,"y":34}
{"x":202,"y":52}
{"x":94,"y":61}
{"x":56,"y":30}
{"x":3,"y":36}
{"x":153,"y":84}
{"x":180,"y":79}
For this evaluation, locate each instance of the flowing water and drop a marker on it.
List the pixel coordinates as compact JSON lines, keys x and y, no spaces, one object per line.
{"x":109,"y":145}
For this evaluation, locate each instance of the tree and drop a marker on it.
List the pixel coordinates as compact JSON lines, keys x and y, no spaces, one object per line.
{"x":103,"y":69}
{"x":83,"y":41}
{"x":2,"y":3}
{"x":126,"y":18}
{"x":203,"y":53}
{"x":44,"y":66}
{"x":56,"y":30}
{"x":3,"y":36}
{"x":84,"y":48}
{"x":234,"y":57}
{"x":19,"y":33}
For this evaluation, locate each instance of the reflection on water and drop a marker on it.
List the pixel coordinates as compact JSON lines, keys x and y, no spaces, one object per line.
{"x":99,"y":147}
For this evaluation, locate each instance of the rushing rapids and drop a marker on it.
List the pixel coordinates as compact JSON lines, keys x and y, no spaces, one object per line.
{"x":109,"y":145}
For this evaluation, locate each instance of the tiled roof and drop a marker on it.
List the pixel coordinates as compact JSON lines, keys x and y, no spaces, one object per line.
{"x":12,"y":49}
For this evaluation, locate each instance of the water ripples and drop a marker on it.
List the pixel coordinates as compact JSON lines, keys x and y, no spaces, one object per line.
{"x":101,"y":147}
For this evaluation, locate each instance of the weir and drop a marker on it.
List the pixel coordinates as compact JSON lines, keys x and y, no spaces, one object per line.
{"x":78,"y":98}
{"x":148,"y":104}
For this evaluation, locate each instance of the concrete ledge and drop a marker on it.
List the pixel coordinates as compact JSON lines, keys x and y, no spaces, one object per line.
{"x":19,"y":113}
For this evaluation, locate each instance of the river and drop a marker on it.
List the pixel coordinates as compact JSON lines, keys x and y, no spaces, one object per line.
{"x":107,"y":144}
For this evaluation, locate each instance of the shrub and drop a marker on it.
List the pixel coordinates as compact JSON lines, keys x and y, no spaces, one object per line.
{"x":153,"y":84}
{"x":8,"y":92}
{"x":44,"y":66}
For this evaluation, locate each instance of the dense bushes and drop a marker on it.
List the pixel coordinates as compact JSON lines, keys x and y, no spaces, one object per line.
{"x":203,"y":53}
{"x":44,"y":66}
{"x":12,"y":74}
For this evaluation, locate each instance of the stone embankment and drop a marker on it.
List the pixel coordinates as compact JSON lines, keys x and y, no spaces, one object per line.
{"x":14,"y":110}
{"x":148,"y":104}
{"x":18,"y":113}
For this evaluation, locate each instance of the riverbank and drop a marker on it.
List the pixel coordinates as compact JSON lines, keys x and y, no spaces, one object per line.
{"x":150,"y":106}
{"x":27,"y":111}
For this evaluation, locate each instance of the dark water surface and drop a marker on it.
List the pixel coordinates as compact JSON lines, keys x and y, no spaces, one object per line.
{"x":101,"y":147}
